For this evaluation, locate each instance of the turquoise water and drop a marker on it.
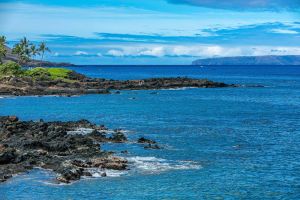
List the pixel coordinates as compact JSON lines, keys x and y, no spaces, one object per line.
{"x":229,"y":143}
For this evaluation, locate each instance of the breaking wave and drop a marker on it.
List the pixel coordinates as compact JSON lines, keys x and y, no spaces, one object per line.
{"x":157,"y":165}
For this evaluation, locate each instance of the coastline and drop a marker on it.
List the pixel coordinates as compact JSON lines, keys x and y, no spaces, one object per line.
{"x":71,"y":150}
{"x":79,"y":84}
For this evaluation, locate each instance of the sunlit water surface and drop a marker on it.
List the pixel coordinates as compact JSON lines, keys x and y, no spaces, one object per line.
{"x":228,"y":143}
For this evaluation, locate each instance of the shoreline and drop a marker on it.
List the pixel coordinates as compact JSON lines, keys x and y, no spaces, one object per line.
{"x":80,"y":85}
{"x":71,"y":150}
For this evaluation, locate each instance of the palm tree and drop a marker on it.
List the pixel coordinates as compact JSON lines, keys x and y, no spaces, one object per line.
{"x":25,"y":44}
{"x":2,"y":48}
{"x":34,"y":51}
{"x":43,"y":48}
{"x":23,"y":50}
{"x":17,"y":49}
{"x":2,"y":39}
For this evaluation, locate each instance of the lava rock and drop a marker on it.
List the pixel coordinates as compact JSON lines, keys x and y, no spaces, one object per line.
{"x":143,"y":140}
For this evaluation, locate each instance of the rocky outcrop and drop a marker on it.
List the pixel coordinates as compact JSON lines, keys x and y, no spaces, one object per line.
{"x":70,"y":149}
{"x":143,"y":140}
{"x":80,"y":84}
{"x":149,"y":144}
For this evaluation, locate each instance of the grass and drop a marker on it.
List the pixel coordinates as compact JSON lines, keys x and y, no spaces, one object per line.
{"x":40,"y":73}
{"x":48,"y":73}
{"x":59,"y":73}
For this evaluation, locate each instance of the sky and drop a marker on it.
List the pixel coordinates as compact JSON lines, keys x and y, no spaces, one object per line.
{"x":106,"y":32}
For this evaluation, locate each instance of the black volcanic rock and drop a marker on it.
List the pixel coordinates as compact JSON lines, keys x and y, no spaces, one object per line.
{"x":143,"y":140}
{"x":81,"y":84}
{"x":149,"y":144}
{"x":250,"y":60}
{"x":59,"y":146}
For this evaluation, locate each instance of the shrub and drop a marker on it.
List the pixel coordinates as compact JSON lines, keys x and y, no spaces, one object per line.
{"x":39,"y":73}
{"x":59,"y":73}
{"x":48,"y":73}
{"x":10,"y":69}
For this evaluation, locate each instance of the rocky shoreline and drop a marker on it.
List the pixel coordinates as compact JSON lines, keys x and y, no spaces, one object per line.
{"x":78,"y":84}
{"x":70,"y":149}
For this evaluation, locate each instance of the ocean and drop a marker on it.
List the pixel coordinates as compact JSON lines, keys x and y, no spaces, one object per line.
{"x":218,"y":143}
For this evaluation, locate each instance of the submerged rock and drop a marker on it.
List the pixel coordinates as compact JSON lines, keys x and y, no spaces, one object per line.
{"x":144,"y":140}
{"x":151,"y":144}
{"x":118,"y":137}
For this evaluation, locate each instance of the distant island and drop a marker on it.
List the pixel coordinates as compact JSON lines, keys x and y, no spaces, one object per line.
{"x":250,"y":60}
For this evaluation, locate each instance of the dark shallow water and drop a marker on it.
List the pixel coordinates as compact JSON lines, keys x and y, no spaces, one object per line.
{"x":230,"y":143}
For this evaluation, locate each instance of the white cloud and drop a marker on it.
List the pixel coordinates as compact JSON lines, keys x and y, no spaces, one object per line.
{"x":173,"y":51}
{"x":155,"y":51}
{"x":81,"y":53}
{"x":284,"y":31}
{"x":115,"y":53}
{"x":203,"y":51}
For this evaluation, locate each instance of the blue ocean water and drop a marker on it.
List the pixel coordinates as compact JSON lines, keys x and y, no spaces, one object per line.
{"x":228,"y":143}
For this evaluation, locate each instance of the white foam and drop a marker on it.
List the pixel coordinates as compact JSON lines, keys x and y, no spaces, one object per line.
{"x":7,"y":97}
{"x":139,"y":164}
{"x":180,"y":88}
{"x":115,"y":173}
{"x":81,"y":131}
{"x":97,"y":173}
{"x":112,"y":131}
{"x":157,"y":165}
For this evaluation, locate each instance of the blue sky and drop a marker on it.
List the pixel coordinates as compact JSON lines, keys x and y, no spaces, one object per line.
{"x":154,"y":32}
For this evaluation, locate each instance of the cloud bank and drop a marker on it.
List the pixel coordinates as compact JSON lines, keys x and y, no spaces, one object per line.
{"x":243,"y":4}
{"x":200,"y":51}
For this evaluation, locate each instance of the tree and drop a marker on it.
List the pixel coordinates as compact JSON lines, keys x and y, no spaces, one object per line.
{"x":2,"y":39}
{"x":34,"y":51}
{"x":25,"y":44}
{"x":23,"y":50}
{"x":17,"y":50}
{"x":2,"y":48}
{"x":43,"y":48}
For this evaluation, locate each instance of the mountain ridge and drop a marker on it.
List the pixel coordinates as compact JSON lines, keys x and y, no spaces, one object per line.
{"x":251,"y":60}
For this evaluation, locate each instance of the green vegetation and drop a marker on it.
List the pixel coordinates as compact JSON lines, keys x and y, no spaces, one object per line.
{"x":42,"y":49}
{"x":39,"y":73}
{"x":2,"y":48}
{"x":34,"y":51}
{"x":25,"y":50}
{"x":59,"y":73}
{"x":48,"y":73}
{"x":11,"y":69}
